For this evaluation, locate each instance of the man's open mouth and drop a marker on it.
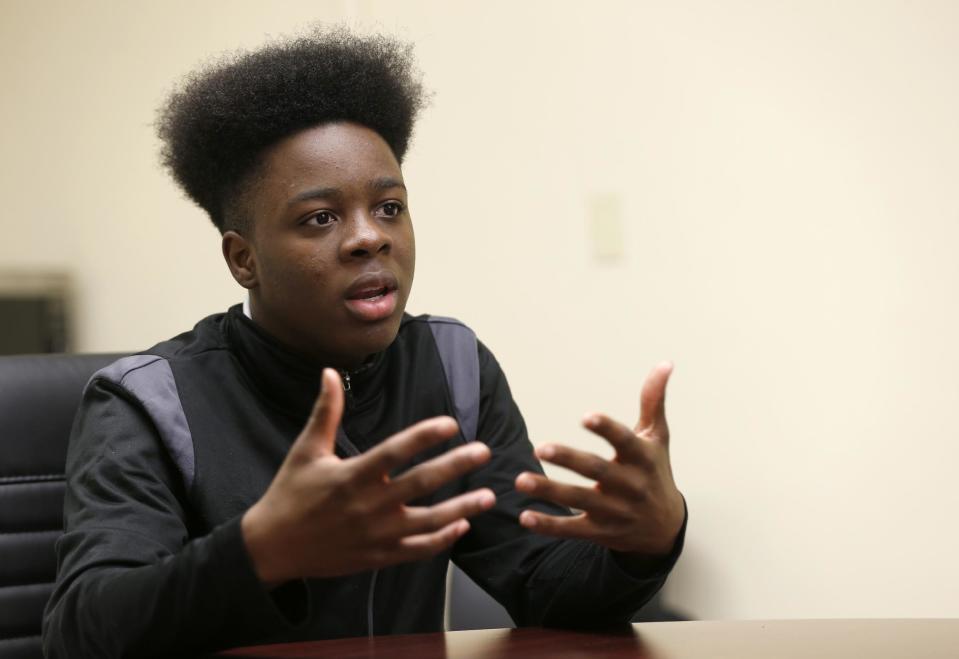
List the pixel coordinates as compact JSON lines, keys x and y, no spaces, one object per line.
{"x":372,"y":296}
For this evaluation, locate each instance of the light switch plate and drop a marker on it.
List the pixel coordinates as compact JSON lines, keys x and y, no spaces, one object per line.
{"x":606,"y":227}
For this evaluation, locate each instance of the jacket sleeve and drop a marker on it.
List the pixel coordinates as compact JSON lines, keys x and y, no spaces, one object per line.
{"x":131,"y":581}
{"x":541,"y":580}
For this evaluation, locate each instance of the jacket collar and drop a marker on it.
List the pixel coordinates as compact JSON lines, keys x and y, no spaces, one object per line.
{"x":286,"y":378}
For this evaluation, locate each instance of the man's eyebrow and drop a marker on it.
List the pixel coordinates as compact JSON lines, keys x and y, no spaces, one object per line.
{"x":383,"y":183}
{"x":315,"y":193}
{"x":386,"y":182}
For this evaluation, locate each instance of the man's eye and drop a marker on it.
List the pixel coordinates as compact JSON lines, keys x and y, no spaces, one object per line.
{"x":322,"y":218}
{"x":391,"y":208}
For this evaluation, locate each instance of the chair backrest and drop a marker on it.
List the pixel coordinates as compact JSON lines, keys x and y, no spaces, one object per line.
{"x":39,"y":395}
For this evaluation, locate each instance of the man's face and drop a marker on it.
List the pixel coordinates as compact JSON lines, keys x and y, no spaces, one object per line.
{"x":330,"y":254}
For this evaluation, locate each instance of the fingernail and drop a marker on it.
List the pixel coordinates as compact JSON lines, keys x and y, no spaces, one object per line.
{"x":527,"y":519}
{"x":546,"y":452}
{"x":463,"y":527}
{"x":449,"y":424}
{"x":478,"y":452}
{"x":486,"y":499}
{"x":524,"y":482}
{"x":590,"y":420}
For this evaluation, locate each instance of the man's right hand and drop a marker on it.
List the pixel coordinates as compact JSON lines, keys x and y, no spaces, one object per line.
{"x":323,"y":516}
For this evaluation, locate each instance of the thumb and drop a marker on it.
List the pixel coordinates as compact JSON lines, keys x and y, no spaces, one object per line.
{"x":652,"y":401}
{"x":318,"y":437}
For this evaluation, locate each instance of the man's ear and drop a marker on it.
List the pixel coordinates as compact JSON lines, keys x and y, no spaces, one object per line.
{"x":240,"y":258}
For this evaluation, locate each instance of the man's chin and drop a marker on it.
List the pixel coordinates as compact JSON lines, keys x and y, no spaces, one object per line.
{"x":371,"y":338}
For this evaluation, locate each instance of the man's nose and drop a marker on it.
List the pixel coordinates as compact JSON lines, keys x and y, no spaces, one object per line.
{"x":366,"y":237}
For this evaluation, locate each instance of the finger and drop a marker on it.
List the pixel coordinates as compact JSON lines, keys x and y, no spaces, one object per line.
{"x":417,"y":520}
{"x":318,"y":437}
{"x":419,"y":547}
{"x":401,"y":447}
{"x":426,"y":477}
{"x":628,"y":446}
{"x":586,"y":499}
{"x":652,"y":402}
{"x":577,"y":526}
{"x":608,"y":474}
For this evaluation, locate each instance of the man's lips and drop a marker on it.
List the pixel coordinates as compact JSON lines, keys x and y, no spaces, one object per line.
{"x":371,"y":285}
{"x":372,"y":297}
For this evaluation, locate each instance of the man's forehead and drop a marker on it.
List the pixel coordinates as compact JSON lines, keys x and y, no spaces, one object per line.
{"x":333,"y":156}
{"x":332,"y":141}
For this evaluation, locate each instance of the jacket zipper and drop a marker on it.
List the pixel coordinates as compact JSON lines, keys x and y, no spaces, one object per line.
{"x":347,"y":387}
{"x":369,"y":605}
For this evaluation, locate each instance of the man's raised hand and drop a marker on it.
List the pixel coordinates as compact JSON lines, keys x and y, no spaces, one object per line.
{"x":634,"y":507}
{"x":323,"y":516}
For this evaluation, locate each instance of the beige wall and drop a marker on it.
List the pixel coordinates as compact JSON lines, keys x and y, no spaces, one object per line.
{"x":787,"y":174}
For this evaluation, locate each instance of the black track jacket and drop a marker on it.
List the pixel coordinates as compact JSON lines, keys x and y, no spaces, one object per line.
{"x":172,"y":446}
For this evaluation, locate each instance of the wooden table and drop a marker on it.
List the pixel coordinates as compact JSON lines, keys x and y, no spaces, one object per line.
{"x":783,"y":639}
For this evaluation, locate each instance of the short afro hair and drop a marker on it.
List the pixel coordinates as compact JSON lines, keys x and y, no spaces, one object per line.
{"x":216,"y":127}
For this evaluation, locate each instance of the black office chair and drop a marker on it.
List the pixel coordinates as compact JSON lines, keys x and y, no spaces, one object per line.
{"x":39,"y":395}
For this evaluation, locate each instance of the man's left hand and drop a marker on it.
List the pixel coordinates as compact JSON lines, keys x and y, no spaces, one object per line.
{"x":634,"y":507}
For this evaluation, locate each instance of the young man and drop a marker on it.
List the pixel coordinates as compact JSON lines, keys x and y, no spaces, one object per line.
{"x":293,"y":470}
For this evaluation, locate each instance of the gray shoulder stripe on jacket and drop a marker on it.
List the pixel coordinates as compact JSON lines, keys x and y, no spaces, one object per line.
{"x":458,"y":351}
{"x":150,"y":380}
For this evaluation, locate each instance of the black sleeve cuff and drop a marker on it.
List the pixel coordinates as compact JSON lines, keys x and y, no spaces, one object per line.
{"x":285,"y":608}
